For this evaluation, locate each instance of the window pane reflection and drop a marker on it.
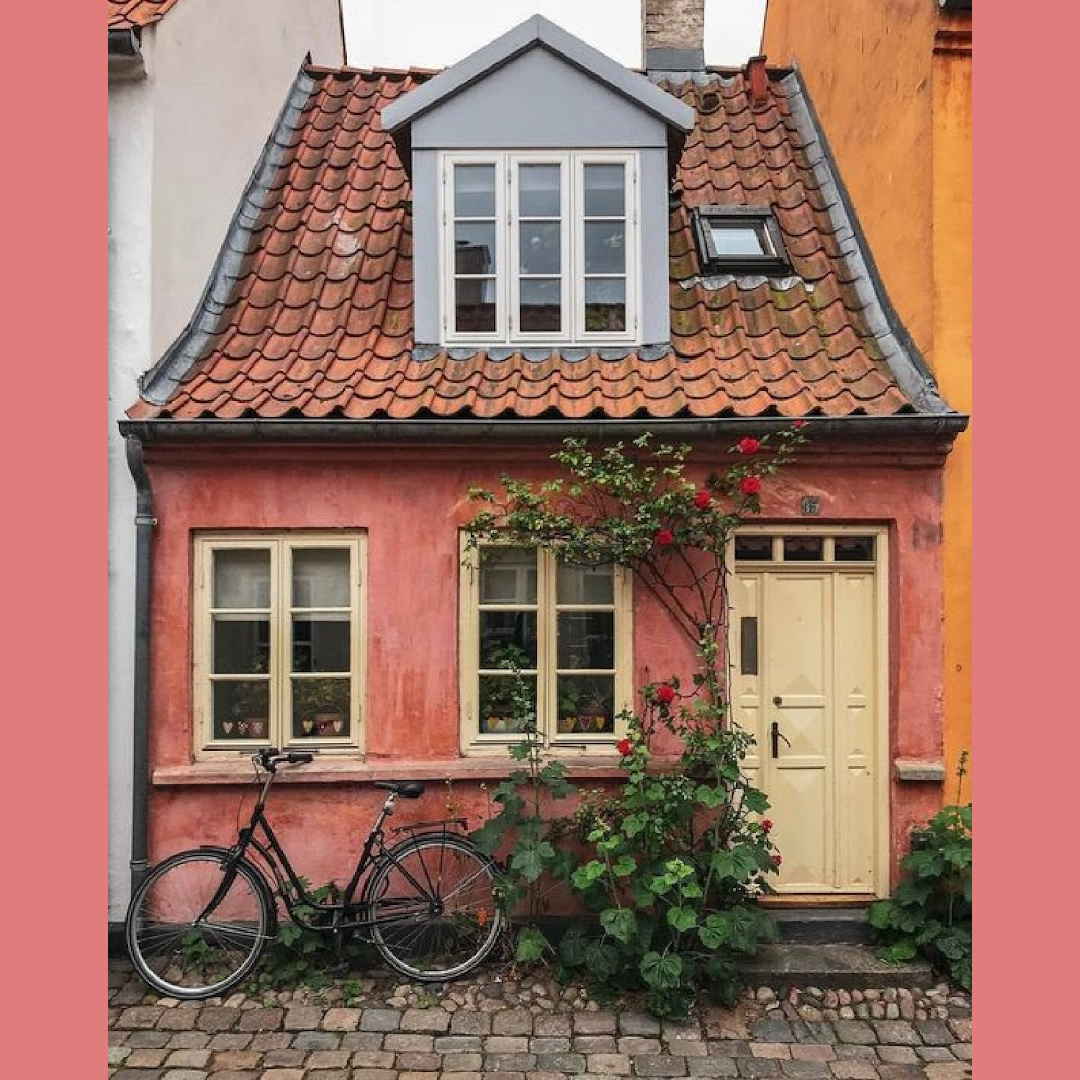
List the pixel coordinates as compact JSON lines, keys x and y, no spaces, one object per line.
{"x":586,"y":639}
{"x":605,"y":304}
{"x":539,"y":191}
{"x":507,"y":575}
{"x":474,"y":191}
{"x":242,"y":579}
{"x":507,"y":637}
{"x":605,"y":247}
{"x":605,"y":191}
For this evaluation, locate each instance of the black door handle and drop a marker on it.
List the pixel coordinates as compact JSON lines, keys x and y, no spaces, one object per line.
{"x":776,"y":737}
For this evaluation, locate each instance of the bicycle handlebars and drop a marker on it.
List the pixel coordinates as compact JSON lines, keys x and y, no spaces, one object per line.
{"x":270,"y":757}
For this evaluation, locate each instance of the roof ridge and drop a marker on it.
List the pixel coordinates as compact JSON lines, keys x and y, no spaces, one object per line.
{"x":348,"y":69}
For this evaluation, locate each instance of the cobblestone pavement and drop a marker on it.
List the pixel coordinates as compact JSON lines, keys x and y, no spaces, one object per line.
{"x":496,"y":1027}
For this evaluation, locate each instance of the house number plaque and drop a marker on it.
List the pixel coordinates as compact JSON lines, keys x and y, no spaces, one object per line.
{"x":811,"y":505}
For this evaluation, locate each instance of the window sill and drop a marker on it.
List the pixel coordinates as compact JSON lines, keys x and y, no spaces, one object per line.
{"x":353,"y":771}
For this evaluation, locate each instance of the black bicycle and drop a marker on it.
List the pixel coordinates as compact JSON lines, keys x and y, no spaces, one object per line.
{"x":199,"y":922}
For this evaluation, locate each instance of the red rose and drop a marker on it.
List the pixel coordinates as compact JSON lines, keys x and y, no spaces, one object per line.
{"x":665,"y":693}
{"x":766,"y":824}
{"x":665,"y":538}
{"x":750,"y":485}
{"x":798,"y":423}
{"x":703,"y":500}
{"x":749,"y":445}
{"x":624,"y":746}
{"x":777,"y":860}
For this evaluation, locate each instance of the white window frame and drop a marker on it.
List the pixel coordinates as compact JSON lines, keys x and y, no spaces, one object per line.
{"x":506,"y":248}
{"x":473,"y":742}
{"x":280,"y":546}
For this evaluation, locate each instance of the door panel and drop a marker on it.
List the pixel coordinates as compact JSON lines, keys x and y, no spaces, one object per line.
{"x":814,"y":680}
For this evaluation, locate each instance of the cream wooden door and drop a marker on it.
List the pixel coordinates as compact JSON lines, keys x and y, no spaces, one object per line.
{"x":805,"y":652}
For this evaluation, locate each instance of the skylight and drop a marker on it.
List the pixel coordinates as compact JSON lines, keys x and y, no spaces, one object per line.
{"x":739,"y":238}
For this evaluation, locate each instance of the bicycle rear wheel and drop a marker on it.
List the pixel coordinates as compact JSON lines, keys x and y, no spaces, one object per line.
{"x":434,"y":907}
{"x":198,"y":925}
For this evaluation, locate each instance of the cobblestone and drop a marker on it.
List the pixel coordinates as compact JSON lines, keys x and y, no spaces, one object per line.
{"x":492,"y":1028}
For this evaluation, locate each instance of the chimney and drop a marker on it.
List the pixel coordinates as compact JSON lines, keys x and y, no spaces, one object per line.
{"x":757,"y":81}
{"x":673,"y":35}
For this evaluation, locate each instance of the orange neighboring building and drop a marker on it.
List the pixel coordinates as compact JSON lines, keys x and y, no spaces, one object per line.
{"x":891,"y":83}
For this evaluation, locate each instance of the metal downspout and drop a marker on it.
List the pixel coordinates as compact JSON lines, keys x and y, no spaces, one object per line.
{"x":140,"y":777}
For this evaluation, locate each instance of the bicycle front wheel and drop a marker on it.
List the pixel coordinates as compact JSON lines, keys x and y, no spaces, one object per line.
{"x":198,"y":924}
{"x":433,"y":905}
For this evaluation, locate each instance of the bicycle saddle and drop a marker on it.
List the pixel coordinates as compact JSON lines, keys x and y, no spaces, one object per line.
{"x":407,"y":789}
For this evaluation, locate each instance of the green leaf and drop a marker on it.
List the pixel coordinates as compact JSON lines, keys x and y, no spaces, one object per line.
{"x":624,"y":866}
{"x":620,"y":923}
{"x":529,"y":859}
{"x":531,"y":945}
{"x":586,"y":876}
{"x":661,"y":972}
{"x":682,"y":918}
{"x":573,"y":949}
{"x":898,"y":953}
{"x":708,"y":796}
{"x":716,"y":931}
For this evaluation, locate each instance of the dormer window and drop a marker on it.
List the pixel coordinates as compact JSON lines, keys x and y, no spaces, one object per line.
{"x":539,"y":247}
{"x":736,"y":239}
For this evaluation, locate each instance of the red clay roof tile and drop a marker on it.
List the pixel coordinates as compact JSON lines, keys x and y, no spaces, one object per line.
{"x":320,"y":319}
{"x":126,"y":14}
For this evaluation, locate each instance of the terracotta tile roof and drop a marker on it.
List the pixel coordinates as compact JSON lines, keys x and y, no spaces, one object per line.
{"x":125,"y":14}
{"x":309,"y":313}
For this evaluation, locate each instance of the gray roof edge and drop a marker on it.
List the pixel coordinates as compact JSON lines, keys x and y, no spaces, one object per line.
{"x":941,"y":427}
{"x":908,"y":365}
{"x":157,"y":384}
{"x":537,"y":30}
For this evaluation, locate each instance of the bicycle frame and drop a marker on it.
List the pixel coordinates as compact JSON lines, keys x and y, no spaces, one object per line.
{"x":346,"y":914}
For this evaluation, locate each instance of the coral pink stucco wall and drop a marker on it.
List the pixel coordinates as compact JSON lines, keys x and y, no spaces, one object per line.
{"x":412,"y":501}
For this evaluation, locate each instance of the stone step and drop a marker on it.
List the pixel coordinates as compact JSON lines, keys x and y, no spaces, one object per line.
{"x":847,"y":966}
{"x":823,"y":925}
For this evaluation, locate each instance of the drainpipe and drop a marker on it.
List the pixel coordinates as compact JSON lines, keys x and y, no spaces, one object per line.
{"x":144,"y":533}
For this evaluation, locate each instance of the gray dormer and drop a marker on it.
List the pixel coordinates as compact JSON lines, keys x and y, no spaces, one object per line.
{"x":540,"y":171}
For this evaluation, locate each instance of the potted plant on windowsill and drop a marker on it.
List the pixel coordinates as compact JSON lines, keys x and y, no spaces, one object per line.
{"x":321,"y":705}
{"x":594,"y":711}
{"x":570,"y":696}
{"x":249,"y":715}
{"x":497,"y":691}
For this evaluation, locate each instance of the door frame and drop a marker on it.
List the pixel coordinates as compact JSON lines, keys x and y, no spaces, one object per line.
{"x":883,"y":688}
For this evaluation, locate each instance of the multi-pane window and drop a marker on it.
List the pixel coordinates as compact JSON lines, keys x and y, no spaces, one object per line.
{"x":277,"y":641}
{"x":566,"y":631}
{"x":540,"y":248}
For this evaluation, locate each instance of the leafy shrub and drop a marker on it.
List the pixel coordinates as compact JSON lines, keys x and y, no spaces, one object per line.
{"x":523,"y":831}
{"x":929,"y":913}
{"x":680,"y":860}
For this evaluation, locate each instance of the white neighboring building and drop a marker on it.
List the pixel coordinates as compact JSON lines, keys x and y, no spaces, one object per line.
{"x":195,"y":87}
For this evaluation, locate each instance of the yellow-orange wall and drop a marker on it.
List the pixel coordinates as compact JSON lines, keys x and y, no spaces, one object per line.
{"x":891,"y":83}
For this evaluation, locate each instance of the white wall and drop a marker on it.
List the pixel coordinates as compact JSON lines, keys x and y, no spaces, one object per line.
{"x":182,"y":144}
{"x":130,"y":142}
{"x":220,"y":72}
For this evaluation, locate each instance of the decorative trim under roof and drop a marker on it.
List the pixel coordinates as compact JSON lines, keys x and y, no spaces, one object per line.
{"x":538,"y":31}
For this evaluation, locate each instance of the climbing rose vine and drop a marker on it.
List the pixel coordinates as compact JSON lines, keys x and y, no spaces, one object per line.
{"x":675,"y":860}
